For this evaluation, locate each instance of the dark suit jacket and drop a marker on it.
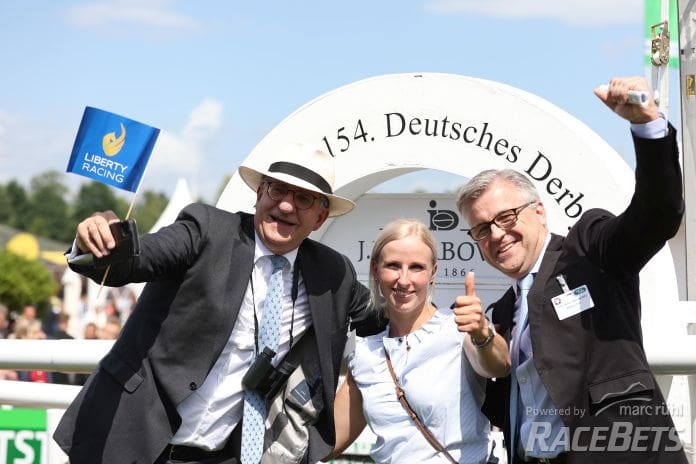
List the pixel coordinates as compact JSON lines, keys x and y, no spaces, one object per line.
{"x":198,"y":270}
{"x":595,"y":358}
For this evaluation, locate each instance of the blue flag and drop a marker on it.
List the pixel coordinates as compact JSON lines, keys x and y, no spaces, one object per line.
{"x":112,"y":149}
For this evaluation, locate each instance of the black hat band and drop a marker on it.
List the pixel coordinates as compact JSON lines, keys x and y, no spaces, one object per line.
{"x":303,"y":173}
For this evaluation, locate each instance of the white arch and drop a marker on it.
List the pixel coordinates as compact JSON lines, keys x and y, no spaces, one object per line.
{"x":384,"y":121}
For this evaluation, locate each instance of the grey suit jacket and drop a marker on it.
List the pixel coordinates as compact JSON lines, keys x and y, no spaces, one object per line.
{"x":197,"y":272}
{"x":595,"y":359}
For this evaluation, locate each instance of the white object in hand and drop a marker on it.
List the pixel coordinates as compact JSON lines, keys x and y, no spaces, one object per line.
{"x":635,"y":97}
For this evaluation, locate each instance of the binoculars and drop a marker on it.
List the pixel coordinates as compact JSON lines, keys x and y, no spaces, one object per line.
{"x":265,"y":379}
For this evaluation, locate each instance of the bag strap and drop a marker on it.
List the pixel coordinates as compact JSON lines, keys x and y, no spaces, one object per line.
{"x":401,"y":396}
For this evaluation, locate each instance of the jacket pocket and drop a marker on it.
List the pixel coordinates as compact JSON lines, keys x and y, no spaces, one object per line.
{"x":626,"y":385}
{"x":124,"y":375}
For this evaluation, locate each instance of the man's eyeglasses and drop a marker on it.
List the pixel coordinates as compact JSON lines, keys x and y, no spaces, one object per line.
{"x":302,"y":200}
{"x":505,"y":220}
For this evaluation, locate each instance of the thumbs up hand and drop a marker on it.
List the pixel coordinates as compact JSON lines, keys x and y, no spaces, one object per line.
{"x":487,"y":352}
{"x":468,"y":313}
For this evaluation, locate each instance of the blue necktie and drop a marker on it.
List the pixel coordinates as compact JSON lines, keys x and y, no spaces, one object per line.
{"x":523,"y":287}
{"x":253,"y":424}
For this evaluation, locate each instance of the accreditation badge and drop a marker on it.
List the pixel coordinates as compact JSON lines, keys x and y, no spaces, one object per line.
{"x":571,"y":302}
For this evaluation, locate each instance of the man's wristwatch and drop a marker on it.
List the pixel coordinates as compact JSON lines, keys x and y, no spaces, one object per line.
{"x":488,"y":339}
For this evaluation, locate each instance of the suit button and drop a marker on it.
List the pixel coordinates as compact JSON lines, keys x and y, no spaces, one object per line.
{"x":193,"y":385}
{"x":523,"y":379}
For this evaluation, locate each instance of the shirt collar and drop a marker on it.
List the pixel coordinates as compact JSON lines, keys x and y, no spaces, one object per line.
{"x":537,"y":263}
{"x":418,"y":335}
{"x":261,"y":250}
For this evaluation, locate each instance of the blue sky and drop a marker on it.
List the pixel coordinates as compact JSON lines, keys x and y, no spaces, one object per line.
{"x":216,"y":76}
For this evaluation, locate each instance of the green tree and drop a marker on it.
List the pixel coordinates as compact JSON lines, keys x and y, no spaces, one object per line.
{"x":6,"y":209}
{"x":23,"y":282}
{"x":148,"y":209}
{"x":19,"y":202}
{"x":93,"y":197}
{"x":48,"y":213}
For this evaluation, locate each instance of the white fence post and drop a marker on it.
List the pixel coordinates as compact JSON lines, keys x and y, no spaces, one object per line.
{"x":54,"y":454}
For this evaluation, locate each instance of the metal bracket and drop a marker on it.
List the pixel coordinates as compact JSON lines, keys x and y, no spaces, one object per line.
{"x":659,"y":51}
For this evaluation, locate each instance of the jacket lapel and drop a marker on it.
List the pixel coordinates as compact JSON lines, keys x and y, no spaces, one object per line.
{"x":536,"y":302}
{"x":240,"y":270}
{"x":320,"y":305}
{"x":503,"y":312}
{"x":536,"y":294}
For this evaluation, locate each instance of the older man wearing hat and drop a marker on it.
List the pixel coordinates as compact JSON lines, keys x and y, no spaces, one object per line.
{"x":229,"y":299}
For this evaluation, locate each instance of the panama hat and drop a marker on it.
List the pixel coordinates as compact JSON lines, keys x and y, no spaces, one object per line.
{"x":305,"y":167}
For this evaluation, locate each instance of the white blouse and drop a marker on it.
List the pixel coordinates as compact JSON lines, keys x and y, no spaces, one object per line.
{"x":440,"y":385}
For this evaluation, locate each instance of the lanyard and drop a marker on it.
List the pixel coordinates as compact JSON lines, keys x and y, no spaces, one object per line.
{"x":293,"y":295}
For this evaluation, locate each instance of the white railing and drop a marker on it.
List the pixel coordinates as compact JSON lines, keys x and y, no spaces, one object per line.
{"x":48,"y":355}
{"x":671,"y":356}
{"x":53,"y":355}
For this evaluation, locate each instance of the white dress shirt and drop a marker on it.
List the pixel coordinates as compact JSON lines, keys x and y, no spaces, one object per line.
{"x":211,"y":412}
